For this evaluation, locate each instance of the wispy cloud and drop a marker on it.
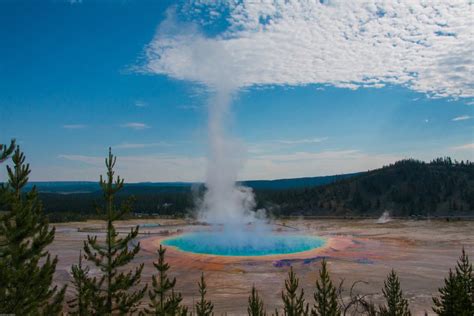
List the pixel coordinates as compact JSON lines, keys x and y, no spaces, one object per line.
{"x":424,"y":46}
{"x":140,"y":145}
{"x":141,"y":104}
{"x":183,"y":168}
{"x":302,"y":141}
{"x":304,"y":164}
{"x":139,"y":168}
{"x":462,"y":118}
{"x":188,"y":107}
{"x":464,"y":147}
{"x":74,"y":126}
{"x":135,"y":125}
{"x":278,"y":145}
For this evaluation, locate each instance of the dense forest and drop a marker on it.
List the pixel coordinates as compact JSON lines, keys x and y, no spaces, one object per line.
{"x":442,"y":187}
{"x":406,"y":188}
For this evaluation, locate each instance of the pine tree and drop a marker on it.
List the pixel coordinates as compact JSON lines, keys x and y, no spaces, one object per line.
{"x":255,"y":307}
{"x":466,"y":280}
{"x":396,"y":304}
{"x":293,"y":304}
{"x":457,"y":295}
{"x":112,"y":291}
{"x":325,"y":295}
{"x":26,"y":268}
{"x":203,"y":306}
{"x":448,"y":304}
{"x":80,"y":304}
{"x":164,"y":300}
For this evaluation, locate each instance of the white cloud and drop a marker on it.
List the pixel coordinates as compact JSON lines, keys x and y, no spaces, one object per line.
{"x":462,"y":118}
{"x":183,"y":168}
{"x":141,"y":104}
{"x":271,"y":146}
{"x":426,"y":46}
{"x":139,"y":145}
{"x":136,"y":168}
{"x":302,"y":141}
{"x":464,"y":147}
{"x":74,"y":126}
{"x":188,"y":107}
{"x":305,"y":164}
{"x":135,"y":125}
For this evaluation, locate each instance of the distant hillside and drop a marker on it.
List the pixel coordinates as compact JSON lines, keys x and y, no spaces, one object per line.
{"x":282,"y":184}
{"x":408,"y":187}
{"x":68,"y":187}
{"x":65,"y":201}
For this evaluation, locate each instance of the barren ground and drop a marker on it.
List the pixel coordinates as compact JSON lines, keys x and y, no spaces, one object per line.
{"x":420,"y":251}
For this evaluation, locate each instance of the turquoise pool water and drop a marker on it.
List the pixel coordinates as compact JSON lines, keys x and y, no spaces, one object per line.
{"x":244,"y":244}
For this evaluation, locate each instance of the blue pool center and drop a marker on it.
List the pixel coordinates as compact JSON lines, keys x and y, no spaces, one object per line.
{"x":244,"y":243}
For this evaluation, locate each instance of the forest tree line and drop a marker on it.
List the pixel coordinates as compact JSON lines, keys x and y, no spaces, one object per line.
{"x":442,"y":187}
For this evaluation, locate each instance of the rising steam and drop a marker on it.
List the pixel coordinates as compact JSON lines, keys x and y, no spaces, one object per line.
{"x":224,"y":202}
{"x":209,"y":63}
{"x":384,"y":218}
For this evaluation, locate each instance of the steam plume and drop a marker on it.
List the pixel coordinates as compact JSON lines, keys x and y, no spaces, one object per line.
{"x":224,"y":202}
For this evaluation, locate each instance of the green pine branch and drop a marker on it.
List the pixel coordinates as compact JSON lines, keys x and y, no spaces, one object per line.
{"x":6,"y":151}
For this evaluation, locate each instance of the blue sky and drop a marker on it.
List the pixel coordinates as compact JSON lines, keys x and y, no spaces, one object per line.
{"x":77,"y":77}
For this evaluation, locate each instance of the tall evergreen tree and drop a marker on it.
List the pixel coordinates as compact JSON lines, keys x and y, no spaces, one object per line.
{"x":457,"y":295}
{"x":114,"y":292}
{"x":466,"y":280}
{"x":26,"y":268}
{"x":397,"y":305}
{"x":164,"y":301}
{"x":255,"y":307}
{"x":325,"y":295}
{"x":447,"y":304}
{"x":203,"y":306}
{"x":80,"y":305}
{"x":293,"y":304}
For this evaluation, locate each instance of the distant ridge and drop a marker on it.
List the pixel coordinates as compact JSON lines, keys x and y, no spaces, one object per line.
{"x":406,"y":188}
{"x":69,"y":187}
{"x":295,"y":183}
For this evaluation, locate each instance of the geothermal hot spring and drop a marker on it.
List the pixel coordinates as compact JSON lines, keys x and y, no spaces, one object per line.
{"x":234,"y":227}
{"x":243,"y":244}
